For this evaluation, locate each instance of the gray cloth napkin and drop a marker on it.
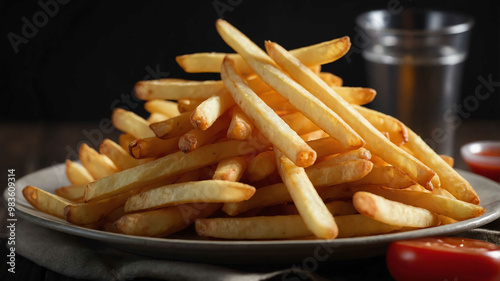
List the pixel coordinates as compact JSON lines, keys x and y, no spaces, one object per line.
{"x":83,"y":258}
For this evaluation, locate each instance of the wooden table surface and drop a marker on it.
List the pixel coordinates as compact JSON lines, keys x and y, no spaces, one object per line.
{"x":27,"y":147}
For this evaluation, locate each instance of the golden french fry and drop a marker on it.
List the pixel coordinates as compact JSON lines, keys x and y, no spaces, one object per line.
{"x":162,"y":222}
{"x":388,"y":176}
{"x":153,"y":147}
{"x":262,"y":227}
{"x":299,"y":123}
{"x":77,"y":174}
{"x":398,"y":133}
{"x":310,"y":206}
{"x":349,"y":171}
{"x":285,"y":227}
{"x":188,"y":105}
{"x":208,"y":191}
{"x":265,"y":119}
{"x":124,"y":140}
{"x":167,"y":108}
{"x":261,"y":166}
{"x":277,"y":103}
{"x":173,"y":127}
{"x":156,"y":117}
{"x":443,"y":192}
{"x":88,"y":213}
{"x":376,"y":142}
{"x":448,"y":159}
{"x":73,"y":193}
{"x":174,"y":89}
{"x":118,"y":155}
{"x":358,"y":154}
{"x":356,"y":95}
{"x":453,"y":208}
{"x":299,"y":97}
{"x":265,"y":196}
{"x":326,"y":146}
{"x":208,"y":111}
{"x":392,"y":212}
{"x":131,"y":123}
{"x":230,"y":169}
{"x":167,"y":166}
{"x":331,"y":79}
{"x":450,"y":179}
{"x":322,"y":53}
{"x":95,"y":163}
{"x":241,"y":127}
{"x":314,"y":135}
{"x":196,"y":138}
{"x":46,"y":202}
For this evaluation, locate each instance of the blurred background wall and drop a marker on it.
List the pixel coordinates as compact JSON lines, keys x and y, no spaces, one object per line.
{"x":77,"y":60}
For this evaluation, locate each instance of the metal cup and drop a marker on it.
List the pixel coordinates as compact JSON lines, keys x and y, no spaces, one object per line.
{"x":414,"y":60}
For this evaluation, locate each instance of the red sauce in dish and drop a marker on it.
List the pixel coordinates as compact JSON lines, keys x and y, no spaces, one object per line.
{"x":485,"y":169}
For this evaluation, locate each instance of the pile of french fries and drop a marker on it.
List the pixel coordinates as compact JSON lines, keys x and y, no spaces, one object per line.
{"x":276,"y":149}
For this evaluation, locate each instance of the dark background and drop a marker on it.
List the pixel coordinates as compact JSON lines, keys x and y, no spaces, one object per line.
{"x":85,"y":58}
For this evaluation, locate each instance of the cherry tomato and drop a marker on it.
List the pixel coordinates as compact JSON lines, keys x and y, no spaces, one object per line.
{"x":443,"y":258}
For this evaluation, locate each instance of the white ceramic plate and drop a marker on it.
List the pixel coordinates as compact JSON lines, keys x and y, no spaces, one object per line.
{"x":189,"y":247}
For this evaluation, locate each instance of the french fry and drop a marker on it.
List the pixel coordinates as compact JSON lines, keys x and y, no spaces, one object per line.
{"x":443,"y":192}
{"x":314,"y":135}
{"x":262,"y":227}
{"x":156,"y":117}
{"x":310,"y":206}
{"x":153,"y":147}
{"x":358,"y":154}
{"x":349,"y":171}
{"x":388,"y":176}
{"x":46,"y":202}
{"x":265,"y":119}
{"x":118,"y":155}
{"x":326,"y":146}
{"x":209,"y":191}
{"x":188,"y":105}
{"x":167,"y":108}
{"x":124,"y":140}
{"x":168,"y":89}
{"x":72,"y":193}
{"x":398,"y":133}
{"x":391,"y":212}
{"x":77,"y":174}
{"x":196,"y":138}
{"x":285,"y":227}
{"x":376,"y":142}
{"x":337,"y":208}
{"x":167,"y":166}
{"x":93,"y":212}
{"x":261,"y":166}
{"x":299,"y":123}
{"x":455,"y":209}
{"x":450,"y":179}
{"x":230,"y":169}
{"x":162,"y":222}
{"x":241,"y":127}
{"x":331,"y":79}
{"x":356,"y":95}
{"x":277,"y":103}
{"x":95,"y":163}
{"x":173,"y":127}
{"x":448,"y":159}
{"x":265,"y":196}
{"x":190,"y":176}
{"x":207,"y":112}
{"x":131,"y":123}
{"x":322,"y":53}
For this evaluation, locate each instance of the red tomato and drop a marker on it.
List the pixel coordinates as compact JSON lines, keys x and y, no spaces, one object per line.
{"x":443,"y":258}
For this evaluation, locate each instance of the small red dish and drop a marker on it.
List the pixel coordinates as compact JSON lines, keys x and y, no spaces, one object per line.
{"x":483,"y":158}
